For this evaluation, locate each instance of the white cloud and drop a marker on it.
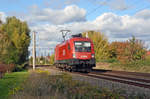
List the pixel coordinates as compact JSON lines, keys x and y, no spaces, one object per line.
{"x":144,"y":14}
{"x":58,"y":4}
{"x":114,"y":26}
{"x":69,"y":14}
{"x":118,"y":5}
{"x":123,"y":24}
{"x":2,"y":16}
{"x":121,"y":28}
{"x":115,"y":4}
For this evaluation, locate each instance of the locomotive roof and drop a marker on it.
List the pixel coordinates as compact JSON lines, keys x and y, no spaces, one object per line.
{"x":74,"y":39}
{"x":80,"y":38}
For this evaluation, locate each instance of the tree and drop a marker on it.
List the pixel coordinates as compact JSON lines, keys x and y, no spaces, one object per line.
{"x":52,"y":59}
{"x":136,"y":49}
{"x":17,"y":33}
{"x":118,"y":50}
{"x":4,"y":45}
{"x":128,"y":51}
{"x":100,"y":44}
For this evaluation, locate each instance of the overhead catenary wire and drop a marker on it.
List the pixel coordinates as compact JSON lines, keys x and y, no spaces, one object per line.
{"x":98,"y":7}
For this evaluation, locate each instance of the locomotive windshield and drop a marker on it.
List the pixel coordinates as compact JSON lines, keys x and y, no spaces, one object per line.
{"x":82,"y":46}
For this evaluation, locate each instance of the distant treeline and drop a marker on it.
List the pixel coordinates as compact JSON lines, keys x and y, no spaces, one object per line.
{"x":14,"y":41}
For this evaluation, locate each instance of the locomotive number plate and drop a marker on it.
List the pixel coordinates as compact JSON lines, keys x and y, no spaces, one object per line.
{"x":83,"y":56}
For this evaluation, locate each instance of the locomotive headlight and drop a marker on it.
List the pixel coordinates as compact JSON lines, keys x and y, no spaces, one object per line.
{"x":74,"y":55}
{"x":93,"y":56}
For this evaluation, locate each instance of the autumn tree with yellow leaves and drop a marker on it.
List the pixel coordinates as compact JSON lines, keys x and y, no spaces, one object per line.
{"x":14,"y":41}
{"x":101,"y":44}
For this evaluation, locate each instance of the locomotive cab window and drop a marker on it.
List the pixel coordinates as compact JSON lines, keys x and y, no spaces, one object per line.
{"x":82,"y":46}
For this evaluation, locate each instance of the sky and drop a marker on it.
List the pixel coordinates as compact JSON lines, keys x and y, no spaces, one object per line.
{"x":118,"y":20}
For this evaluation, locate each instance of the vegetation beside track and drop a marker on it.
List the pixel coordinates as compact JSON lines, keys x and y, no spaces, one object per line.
{"x":14,"y":42}
{"x":10,"y":82}
{"x":42,"y":84}
{"x":136,"y":66}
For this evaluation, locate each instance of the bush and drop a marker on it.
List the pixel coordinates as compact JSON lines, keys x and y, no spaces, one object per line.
{"x":6,"y":68}
{"x":62,"y":86}
{"x":21,"y":67}
{"x":110,"y":60}
{"x":147,"y":57}
{"x":10,"y":81}
{"x":128,"y":51}
{"x":134,"y":66}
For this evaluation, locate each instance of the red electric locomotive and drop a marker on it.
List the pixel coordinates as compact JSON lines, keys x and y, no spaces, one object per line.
{"x":75,"y":54}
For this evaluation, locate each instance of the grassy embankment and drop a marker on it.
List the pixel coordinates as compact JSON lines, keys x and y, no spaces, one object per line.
{"x":43,"y":85}
{"x":11,"y":81}
{"x":138,"y":66}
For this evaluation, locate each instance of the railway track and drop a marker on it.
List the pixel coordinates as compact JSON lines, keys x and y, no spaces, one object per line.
{"x":123,"y":72}
{"x":125,"y":80}
{"x":121,"y":77}
{"x":138,"y":82}
{"x":118,"y":76}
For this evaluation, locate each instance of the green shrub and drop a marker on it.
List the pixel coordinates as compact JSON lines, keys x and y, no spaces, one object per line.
{"x":147,"y":57}
{"x":110,"y":60}
{"x":45,"y":86}
{"x":10,"y":82}
{"x":21,"y":67}
{"x":61,"y":87}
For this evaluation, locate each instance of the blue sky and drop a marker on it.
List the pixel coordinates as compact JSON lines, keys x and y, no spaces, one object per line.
{"x":119,"y":20}
{"x":19,"y":6}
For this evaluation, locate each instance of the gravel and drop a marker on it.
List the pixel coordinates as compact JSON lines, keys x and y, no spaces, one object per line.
{"x":127,"y":90}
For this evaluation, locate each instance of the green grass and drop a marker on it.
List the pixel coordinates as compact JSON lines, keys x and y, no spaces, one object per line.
{"x":139,"y":63}
{"x":131,"y":66}
{"x":11,"y":81}
{"x":111,"y":60}
{"x":43,"y":85}
{"x":136,"y":66}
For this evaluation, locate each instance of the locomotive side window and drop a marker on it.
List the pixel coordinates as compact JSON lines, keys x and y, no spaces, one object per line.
{"x":82,"y":46}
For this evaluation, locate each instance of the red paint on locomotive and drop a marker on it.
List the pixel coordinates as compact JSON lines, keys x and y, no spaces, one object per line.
{"x":77,"y":52}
